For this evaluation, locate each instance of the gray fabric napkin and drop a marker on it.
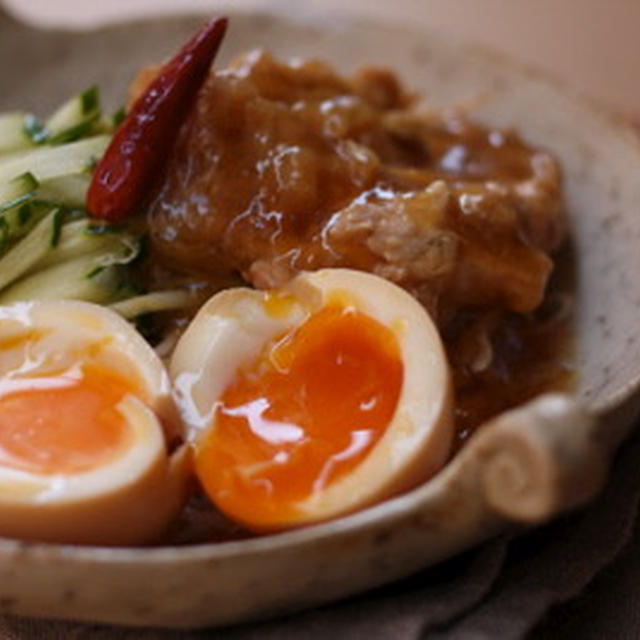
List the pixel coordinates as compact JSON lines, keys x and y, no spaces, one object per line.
{"x":508,"y":588}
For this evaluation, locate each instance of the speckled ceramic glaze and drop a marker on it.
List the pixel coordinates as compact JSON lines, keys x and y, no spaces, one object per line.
{"x":524,"y":466}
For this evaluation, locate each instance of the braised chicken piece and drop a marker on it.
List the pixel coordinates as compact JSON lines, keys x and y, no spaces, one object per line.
{"x":288,"y":167}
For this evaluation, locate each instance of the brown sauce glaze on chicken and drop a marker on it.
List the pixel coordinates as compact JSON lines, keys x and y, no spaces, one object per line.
{"x":281,"y":168}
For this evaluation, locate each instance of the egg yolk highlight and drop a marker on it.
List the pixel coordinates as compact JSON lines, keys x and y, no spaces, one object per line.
{"x":302,"y":416}
{"x":62,"y":423}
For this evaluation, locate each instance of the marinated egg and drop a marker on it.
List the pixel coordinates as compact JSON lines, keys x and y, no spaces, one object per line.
{"x":85,"y":416}
{"x":312,"y":401}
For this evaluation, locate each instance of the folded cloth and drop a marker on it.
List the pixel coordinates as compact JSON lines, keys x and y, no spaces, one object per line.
{"x":509,"y":587}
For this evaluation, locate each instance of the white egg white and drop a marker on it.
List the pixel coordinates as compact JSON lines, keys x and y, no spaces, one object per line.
{"x":132,"y":496}
{"x":231,"y":330}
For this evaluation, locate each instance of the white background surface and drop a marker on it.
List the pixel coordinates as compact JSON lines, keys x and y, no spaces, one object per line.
{"x":592,"y":44}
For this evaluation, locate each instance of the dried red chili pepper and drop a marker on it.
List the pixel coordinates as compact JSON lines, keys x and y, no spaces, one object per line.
{"x":141,"y":144}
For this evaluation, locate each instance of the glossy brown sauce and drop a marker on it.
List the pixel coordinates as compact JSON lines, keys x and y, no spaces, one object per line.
{"x":288,"y":167}
{"x":281,"y":168}
{"x":531,"y":354}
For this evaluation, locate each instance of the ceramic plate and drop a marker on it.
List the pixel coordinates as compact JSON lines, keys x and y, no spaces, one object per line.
{"x":523,"y":467}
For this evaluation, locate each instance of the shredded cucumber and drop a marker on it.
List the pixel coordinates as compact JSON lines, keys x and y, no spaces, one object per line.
{"x":68,"y":191}
{"x":34,"y":129}
{"x":81,"y":279}
{"x":156,"y":301}
{"x":54,"y":162}
{"x":13,"y":136}
{"x":75,"y":118}
{"x":33,"y":247}
{"x":21,"y":219}
{"x":77,"y":240}
{"x":17,"y":190}
{"x":48,"y":252}
{"x":41,"y":256}
{"x":81,"y":266}
{"x":118,"y":117}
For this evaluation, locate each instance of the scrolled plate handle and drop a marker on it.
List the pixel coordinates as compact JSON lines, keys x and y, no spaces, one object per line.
{"x":540,"y":459}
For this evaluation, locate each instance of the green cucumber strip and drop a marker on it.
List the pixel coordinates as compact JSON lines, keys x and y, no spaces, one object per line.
{"x":24,"y":214}
{"x":108,"y":124}
{"x":155,"y":301}
{"x":21,"y":219}
{"x":127,"y":250}
{"x":68,"y":281}
{"x":5,"y":234}
{"x":23,"y":255}
{"x":34,"y":129}
{"x":13,"y":136}
{"x":90,"y":99}
{"x":53,"y":162}
{"x":76,"y":240}
{"x":118,"y":117}
{"x":56,"y":228}
{"x":75,"y":118}
{"x":17,"y":190}
{"x":69,"y":191}
{"x":79,"y":130}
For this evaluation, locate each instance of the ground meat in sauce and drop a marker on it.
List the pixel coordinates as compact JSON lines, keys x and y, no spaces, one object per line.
{"x":288,"y":167}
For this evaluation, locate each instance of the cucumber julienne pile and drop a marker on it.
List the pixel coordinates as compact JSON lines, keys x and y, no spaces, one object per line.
{"x":49,"y":247}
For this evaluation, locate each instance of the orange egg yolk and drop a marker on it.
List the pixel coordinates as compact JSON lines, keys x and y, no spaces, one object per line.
{"x":303,"y":415}
{"x":62,"y":423}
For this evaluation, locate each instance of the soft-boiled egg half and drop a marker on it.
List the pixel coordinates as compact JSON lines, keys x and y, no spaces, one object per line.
{"x":312,"y":401}
{"x":85,"y":417}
